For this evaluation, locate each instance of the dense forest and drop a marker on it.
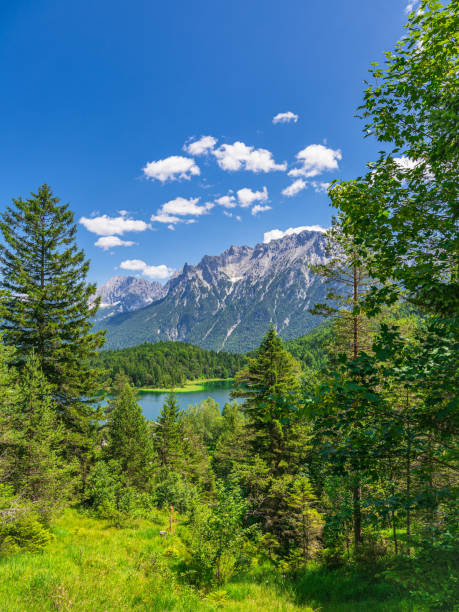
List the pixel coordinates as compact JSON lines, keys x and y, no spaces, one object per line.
{"x":333,"y":486}
{"x":168,"y":364}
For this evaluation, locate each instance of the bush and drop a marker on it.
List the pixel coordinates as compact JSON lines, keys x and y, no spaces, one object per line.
{"x":112,"y":499}
{"x":20,"y":527}
{"x":171,"y":489}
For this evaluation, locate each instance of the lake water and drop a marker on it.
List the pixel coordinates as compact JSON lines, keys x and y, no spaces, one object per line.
{"x":152,"y":403}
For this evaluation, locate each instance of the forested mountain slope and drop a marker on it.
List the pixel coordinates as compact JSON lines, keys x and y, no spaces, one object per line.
{"x":167,"y":364}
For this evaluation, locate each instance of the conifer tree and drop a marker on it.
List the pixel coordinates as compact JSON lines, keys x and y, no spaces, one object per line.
{"x":8,"y":409}
{"x":40,"y":474}
{"x":46,"y":308}
{"x":305,"y":522}
{"x":269,"y":384}
{"x":168,"y":436}
{"x":129,"y":441}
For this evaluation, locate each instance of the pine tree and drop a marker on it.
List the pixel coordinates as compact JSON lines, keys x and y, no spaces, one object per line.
{"x":40,"y":474}
{"x":129,"y":441}
{"x":8,"y":409}
{"x":269,"y":385}
{"x":168,"y":436}
{"x":46,"y":308}
{"x":305,"y":522}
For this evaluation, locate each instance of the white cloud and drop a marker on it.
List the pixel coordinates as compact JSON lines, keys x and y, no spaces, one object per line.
{"x":285,"y":117}
{"x":204,"y":145}
{"x":109,"y":226}
{"x":294,"y":188}
{"x":184,"y":207}
{"x":247,"y":197}
{"x":276,"y":234}
{"x":258,"y":209}
{"x":239,"y":156}
{"x":162,"y":218}
{"x":227,"y":201}
{"x":108,"y":242}
{"x":137,"y":265}
{"x":316,"y":159}
{"x":412,"y":4}
{"x":171,"y":168}
{"x":405,"y":163}
{"x":172,"y":212}
{"x":320,"y":187}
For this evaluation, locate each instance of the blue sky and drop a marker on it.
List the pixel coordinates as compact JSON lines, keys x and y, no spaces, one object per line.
{"x":108,"y":103}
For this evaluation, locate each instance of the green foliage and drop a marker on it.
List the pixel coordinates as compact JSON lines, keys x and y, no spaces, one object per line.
{"x":173,"y":489}
{"x":168,"y":433}
{"x":405,"y":212}
{"x":218,"y":537}
{"x":45,"y":308}
{"x":20,"y":527}
{"x":269,"y":386}
{"x":168,"y":364}
{"x":129,"y":442}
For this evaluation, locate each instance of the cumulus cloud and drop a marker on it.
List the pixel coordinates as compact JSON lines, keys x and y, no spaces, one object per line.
{"x":285,"y":117}
{"x":204,"y":145}
{"x":184,"y":207}
{"x":163,"y":218}
{"x":171,"y":168}
{"x":172,"y":212}
{"x":316,"y":159}
{"x":247,"y":197}
{"x":109,"y":226}
{"x":108,"y":242}
{"x":239,"y":156}
{"x":320,"y":187}
{"x":276,"y":234}
{"x":137,"y":265}
{"x":258,"y":209}
{"x":294,"y":188}
{"x":227,"y":201}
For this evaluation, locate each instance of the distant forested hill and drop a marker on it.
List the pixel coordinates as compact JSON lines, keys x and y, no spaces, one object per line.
{"x":310,"y":348}
{"x":167,"y":364}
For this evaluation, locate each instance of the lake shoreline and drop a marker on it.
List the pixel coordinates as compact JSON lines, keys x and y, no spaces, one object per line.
{"x":190,"y":386}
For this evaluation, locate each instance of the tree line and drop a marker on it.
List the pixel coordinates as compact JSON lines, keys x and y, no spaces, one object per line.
{"x":168,"y":364}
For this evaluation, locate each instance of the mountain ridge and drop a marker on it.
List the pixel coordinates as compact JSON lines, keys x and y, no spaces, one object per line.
{"x":226,"y":301}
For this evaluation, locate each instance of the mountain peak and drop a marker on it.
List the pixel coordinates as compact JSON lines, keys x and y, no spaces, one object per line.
{"x":227,"y":301}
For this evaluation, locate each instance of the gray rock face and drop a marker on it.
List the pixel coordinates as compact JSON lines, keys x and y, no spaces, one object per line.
{"x":227,"y":301}
{"x":125,"y":294}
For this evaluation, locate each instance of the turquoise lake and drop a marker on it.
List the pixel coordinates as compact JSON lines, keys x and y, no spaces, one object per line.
{"x":152,"y":402}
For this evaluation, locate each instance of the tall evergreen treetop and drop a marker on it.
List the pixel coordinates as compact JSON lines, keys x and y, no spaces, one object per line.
{"x":168,"y":435}
{"x":45,"y":305}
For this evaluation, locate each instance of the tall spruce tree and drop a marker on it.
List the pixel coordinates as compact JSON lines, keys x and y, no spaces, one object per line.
{"x":46,"y":309}
{"x":40,"y":472}
{"x":269,"y":384}
{"x":129,"y":441}
{"x":168,"y":436}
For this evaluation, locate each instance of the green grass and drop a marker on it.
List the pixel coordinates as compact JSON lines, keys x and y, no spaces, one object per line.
{"x":93,"y":566}
{"x":188,"y":387}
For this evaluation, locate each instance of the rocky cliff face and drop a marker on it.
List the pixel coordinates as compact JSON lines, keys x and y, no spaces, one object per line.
{"x":227,"y":301}
{"x":125,"y":294}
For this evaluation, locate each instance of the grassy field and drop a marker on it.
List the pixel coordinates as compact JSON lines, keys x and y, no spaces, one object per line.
{"x":92,"y":566}
{"x":188,"y":387}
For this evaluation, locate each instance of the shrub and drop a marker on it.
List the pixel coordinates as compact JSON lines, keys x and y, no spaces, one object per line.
{"x":20,"y":527}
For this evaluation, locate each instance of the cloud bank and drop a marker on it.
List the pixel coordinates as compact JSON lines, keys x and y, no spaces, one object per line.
{"x":276,"y":234}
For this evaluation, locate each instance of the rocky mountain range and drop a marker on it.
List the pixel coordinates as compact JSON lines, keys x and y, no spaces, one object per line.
{"x":225,"y":302}
{"x":126,"y":293}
